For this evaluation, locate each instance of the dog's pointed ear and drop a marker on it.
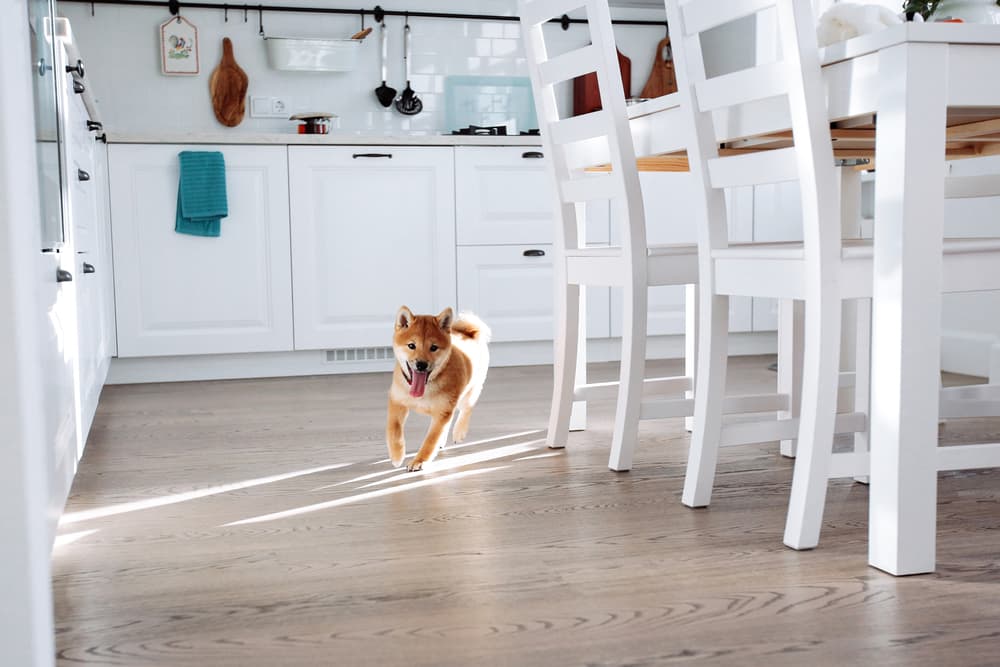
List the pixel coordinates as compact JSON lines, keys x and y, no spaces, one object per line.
{"x":404,"y":317}
{"x":444,"y":319}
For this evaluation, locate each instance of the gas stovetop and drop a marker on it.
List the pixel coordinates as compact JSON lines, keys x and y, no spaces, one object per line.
{"x":492,"y":131}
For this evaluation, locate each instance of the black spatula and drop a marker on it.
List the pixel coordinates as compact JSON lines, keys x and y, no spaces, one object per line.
{"x":384,"y":93}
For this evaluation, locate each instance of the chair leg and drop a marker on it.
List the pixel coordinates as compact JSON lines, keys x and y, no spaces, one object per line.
{"x":820,"y":380}
{"x":709,"y":392}
{"x":578,"y":413}
{"x":567,"y":314}
{"x":791,"y":319}
{"x":690,"y":343}
{"x":862,"y":374}
{"x":626,"y":428}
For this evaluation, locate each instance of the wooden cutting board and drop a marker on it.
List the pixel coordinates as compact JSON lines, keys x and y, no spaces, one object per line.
{"x":662,"y":78}
{"x":228,"y":86}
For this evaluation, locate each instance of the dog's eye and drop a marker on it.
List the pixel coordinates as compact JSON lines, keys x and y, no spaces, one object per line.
{"x":434,"y":348}
{"x":412,"y":346}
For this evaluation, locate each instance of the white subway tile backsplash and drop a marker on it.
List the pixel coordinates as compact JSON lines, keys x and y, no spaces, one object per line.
{"x":121,"y":50}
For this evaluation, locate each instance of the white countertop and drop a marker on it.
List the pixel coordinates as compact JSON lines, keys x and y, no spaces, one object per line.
{"x":332,"y":139}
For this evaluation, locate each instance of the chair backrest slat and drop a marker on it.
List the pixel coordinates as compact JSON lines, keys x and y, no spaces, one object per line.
{"x":580,"y":128}
{"x":702,"y":16}
{"x":570,"y":65}
{"x":741,"y":87}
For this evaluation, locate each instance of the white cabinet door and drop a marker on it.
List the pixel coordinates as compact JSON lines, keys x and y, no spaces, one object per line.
{"x":373,"y":228}
{"x":511,"y":288}
{"x":668,"y":201}
{"x":503,"y":195}
{"x":179,"y":294}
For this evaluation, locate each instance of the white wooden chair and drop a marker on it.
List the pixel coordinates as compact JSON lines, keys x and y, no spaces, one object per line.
{"x":573,"y":143}
{"x":823,"y":270}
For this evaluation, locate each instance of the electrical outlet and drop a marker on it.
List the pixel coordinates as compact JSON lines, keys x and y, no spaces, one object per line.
{"x":269,"y":107}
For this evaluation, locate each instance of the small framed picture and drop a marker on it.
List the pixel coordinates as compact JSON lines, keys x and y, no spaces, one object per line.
{"x":179,"y":47}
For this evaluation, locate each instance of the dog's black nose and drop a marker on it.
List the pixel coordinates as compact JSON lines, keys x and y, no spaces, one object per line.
{"x":421,"y":366}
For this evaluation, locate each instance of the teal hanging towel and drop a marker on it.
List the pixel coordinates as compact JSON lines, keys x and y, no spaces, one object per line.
{"x":201,"y":193}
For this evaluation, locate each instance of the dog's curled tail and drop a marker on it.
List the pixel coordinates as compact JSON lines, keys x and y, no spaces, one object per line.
{"x":473,"y":328}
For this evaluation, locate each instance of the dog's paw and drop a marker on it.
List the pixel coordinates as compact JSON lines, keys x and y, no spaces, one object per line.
{"x":415,"y":465}
{"x":459,"y":433}
{"x":396,"y":462}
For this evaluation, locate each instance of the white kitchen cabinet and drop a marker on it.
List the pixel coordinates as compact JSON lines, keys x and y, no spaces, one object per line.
{"x":178,"y":294}
{"x":504,"y":218}
{"x":503,"y":195}
{"x":670,"y":208}
{"x":87,"y":187}
{"x":511,"y":288}
{"x":373,"y":228}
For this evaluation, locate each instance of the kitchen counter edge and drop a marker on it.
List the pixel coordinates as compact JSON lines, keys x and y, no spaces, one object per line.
{"x":324,"y":140}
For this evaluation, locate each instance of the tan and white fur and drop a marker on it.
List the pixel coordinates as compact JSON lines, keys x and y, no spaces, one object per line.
{"x":441,"y":364}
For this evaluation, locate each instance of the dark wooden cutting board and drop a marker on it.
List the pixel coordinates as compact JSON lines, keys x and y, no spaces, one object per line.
{"x":228,"y":86}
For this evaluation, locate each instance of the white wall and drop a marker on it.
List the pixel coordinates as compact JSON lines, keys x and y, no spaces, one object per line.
{"x":121,"y":48}
{"x":26,"y":635}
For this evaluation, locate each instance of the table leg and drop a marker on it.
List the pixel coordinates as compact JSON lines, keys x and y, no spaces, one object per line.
{"x":906,"y":328}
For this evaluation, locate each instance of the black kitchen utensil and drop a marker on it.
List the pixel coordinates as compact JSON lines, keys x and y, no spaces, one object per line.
{"x":384,"y":93}
{"x":408,"y":103}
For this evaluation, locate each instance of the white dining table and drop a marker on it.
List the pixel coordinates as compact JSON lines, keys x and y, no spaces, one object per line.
{"x":919,"y":80}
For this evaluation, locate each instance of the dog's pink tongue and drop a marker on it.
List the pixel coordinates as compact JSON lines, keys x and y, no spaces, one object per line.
{"x":418,"y":383}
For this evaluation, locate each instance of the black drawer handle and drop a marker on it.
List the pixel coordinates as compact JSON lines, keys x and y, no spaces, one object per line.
{"x":357,"y":155}
{"x":78,"y":68}
{"x":82,"y":175}
{"x":78,"y":87}
{"x":89,"y":268}
{"x":63,"y":276}
{"x":533,"y":154}
{"x":94,"y":126}
{"x":534,"y":253}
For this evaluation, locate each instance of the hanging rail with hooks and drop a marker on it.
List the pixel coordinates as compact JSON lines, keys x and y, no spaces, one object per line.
{"x":174,"y":6}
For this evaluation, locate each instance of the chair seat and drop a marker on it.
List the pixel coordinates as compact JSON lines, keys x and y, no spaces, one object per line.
{"x":666,"y":264}
{"x":851,"y":249}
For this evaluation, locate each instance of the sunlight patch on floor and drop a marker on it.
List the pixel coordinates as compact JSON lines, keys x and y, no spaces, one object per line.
{"x":149,"y":503}
{"x":368,"y":495}
{"x":70,"y":538}
{"x":450,"y":463}
{"x":540,"y":456}
{"x":479,"y":442}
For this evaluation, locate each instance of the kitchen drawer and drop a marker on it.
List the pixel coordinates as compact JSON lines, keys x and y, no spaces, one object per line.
{"x":512,"y":287}
{"x":504,"y":195}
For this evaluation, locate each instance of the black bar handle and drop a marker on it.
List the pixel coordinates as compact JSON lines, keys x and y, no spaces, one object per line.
{"x":533,"y":154}
{"x":89,"y":268}
{"x":63,"y":276}
{"x":78,"y":87}
{"x":94,"y":126}
{"x":534,"y":252}
{"x":77,"y":68}
{"x":357,"y":155}
{"x":82,"y":175}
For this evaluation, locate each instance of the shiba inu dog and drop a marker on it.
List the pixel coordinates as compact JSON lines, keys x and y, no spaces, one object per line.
{"x":441,"y":365}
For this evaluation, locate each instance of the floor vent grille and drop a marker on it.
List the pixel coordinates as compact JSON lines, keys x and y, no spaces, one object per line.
{"x":359,"y":354}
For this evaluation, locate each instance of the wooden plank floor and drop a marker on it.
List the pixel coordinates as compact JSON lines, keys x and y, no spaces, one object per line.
{"x":504,"y":553}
